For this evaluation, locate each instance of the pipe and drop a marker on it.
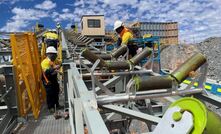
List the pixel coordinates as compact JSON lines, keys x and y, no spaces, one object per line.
{"x":167,"y":82}
{"x":118,"y":65}
{"x":132,"y":62}
{"x":137,"y":58}
{"x":192,"y":64}
{"x":86,"y":53}
{"x":120,"y":51}
{"x":105,"y":56}
{"x":126,"y":97}
{"x":153,"y":82}
{"x":2,"y":82}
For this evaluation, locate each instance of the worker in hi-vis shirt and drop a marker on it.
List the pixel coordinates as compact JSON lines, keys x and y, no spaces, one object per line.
{"x":50,"y":81}
{"x":125,"y":35}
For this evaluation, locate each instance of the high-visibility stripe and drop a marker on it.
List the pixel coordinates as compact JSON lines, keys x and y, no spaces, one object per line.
{"x":186,"y":82}
{"x":208,"y":87}
{"x":196,"y":84}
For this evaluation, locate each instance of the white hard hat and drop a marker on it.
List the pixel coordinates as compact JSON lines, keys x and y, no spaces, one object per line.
{"x":51,"y":50}
{"x":118,"y":24}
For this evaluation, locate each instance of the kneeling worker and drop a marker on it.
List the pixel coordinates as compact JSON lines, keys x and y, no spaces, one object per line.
{"x":50,"y":81}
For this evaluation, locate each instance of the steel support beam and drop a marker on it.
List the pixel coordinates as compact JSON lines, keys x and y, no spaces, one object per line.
{"x":87,"y":98}
{"x":133,"y":114}
{"x":213,"y":99}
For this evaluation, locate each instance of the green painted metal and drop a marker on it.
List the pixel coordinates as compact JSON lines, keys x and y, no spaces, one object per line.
{"x":86,"y":53}
{"x":177,"y":116}
{"x":213,"y":123}
{"x":205,"y":121}
{"x":198,"y":111}
{"x":118,"y":65}
{"x":120,"y":51}
{"x":137,"y":58}
{"x":192,"y":64}
{"x":153,"y":82}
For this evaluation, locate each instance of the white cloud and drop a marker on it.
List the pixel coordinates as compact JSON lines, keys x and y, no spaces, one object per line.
{"x":19,"y":21}
{"x":12,"y":1}
{"x":120,"y":2}
{"x":65,"y":10}
{"x":46,"y":5}
{"x":198,"y":19}
{"x":14,"y":26}
{"x":58,"y":17}
{"x":30,"y":14}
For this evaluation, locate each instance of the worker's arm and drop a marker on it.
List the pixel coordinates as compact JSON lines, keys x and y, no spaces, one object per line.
{"x":119,"y":41}
{"x":126,"y":37}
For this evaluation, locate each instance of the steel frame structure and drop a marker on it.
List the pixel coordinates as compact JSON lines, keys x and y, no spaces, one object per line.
{"x":9,"y":112}
{"x":87,"y":109}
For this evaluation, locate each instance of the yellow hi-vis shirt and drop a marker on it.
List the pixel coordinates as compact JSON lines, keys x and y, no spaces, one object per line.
{"x":126,"y":36}
{"x":50,"y":35}
{"x":46,"y":64}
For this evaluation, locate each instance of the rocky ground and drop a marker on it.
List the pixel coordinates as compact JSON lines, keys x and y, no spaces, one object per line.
{"x":173,"y":56}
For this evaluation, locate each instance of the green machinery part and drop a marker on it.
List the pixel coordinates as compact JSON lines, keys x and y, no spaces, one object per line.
{"x":105,"y":56}
{"x":92,"y":57}
{"x":176,"y":77}
{"x":192,"y":64}
{"x":132,"y":62}
{"x":153,"y":82}
{"x":118,"y":64}
{"x":137,"y":58}
{"x":121,"y":50}
{"x":205,"y":121}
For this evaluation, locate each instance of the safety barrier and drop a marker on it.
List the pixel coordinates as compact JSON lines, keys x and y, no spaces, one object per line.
{"x":26,"y":60}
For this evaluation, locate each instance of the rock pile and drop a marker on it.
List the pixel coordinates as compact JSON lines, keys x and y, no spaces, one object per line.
{"x":211,"y":47}
{"x":173,"y":56}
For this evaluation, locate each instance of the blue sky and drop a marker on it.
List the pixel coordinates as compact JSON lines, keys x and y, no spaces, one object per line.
{"x":198,"y":19}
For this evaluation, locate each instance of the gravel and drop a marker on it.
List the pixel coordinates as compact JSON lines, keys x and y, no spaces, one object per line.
{"x":211,"y":47}
{"x":173,"y":56}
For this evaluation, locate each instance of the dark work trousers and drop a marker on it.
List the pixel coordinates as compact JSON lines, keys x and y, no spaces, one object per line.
{"x":52,"y":94}
{"x":132,"y":49}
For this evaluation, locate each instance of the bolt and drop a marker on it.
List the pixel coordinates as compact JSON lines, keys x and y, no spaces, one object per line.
{"x":177,"y":116}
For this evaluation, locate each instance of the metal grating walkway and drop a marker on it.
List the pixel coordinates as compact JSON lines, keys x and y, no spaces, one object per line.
{"x":46,"y":124}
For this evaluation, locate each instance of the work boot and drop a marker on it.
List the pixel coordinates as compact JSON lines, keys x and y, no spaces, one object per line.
{"x":66,"y":115}
{"x":57,"y":115}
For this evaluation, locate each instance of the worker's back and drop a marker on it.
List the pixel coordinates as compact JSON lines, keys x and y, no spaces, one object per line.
{"x":126,"y":35}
